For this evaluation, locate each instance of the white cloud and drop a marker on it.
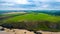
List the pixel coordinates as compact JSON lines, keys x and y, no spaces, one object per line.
{"x":44,"y":0}
{"x":21,"y":1}
{"x":47,"y":0}
{"x":7,"y":4}
{"x":32,"y":5}
{"x":17,"y":1}
{"x":45,"y":6}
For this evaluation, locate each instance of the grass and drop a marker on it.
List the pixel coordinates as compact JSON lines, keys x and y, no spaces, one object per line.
{"x":34,"y":21}
{"x":34,"y":17}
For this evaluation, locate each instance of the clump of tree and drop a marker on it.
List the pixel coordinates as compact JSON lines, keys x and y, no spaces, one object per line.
{"x":33,"y":25}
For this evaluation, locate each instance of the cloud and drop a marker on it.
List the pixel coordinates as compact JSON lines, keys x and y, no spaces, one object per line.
{"x":29,"y":4}
{"x":7,"y":4}
{"x":21,"y":1}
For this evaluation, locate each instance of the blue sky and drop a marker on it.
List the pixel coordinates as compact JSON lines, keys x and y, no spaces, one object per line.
{"x":29,"y":4}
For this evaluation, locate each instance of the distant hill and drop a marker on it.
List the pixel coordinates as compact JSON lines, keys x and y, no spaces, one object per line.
{"x":52,"y":12}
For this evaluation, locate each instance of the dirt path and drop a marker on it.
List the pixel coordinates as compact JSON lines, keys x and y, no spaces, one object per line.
{"x":22,"y":31}
{"x":46,"y":32}
{"x":2,"y":32}
{"x":18,"y":31}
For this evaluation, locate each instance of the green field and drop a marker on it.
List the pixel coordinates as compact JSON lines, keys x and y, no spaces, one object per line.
{"x":34,"y":21}
{"x":34,"y":17}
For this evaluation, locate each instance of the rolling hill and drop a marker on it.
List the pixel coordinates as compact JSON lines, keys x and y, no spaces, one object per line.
{"x":33,"y":21}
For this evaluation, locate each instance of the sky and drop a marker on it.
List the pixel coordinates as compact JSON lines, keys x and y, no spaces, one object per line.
{"x":29,"y":4}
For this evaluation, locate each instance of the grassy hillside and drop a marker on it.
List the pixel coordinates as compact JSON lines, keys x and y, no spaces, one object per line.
{"x":35,"y":21}
{"x":34,"y":17}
